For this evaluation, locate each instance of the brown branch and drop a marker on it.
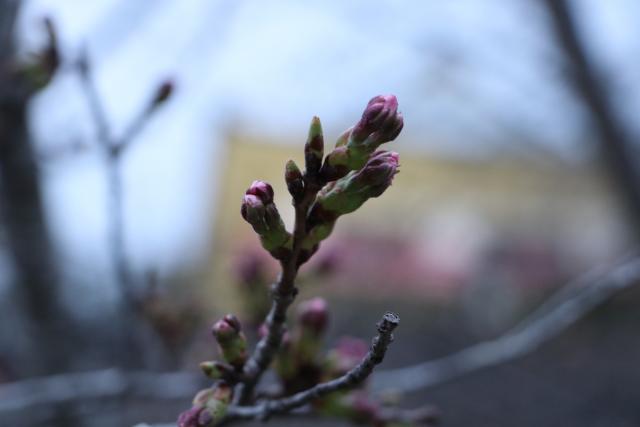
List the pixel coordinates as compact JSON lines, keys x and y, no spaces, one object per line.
{"x":526,"y":337}
{"x":351,"y":379}
{"x":283,"y":294}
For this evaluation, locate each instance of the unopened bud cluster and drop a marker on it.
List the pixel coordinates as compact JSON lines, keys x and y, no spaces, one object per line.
{"x":348,"y":176}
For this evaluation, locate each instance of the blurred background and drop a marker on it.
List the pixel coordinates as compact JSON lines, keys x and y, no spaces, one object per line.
{"x":130,"y":130}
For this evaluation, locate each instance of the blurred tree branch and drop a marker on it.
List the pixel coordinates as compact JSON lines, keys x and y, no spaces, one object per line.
{"x":36,"y":279}
{"x":569,"y":304}
{"x":114,"y":148}
{"x":614,"y":144}
{"x":263,"y":410}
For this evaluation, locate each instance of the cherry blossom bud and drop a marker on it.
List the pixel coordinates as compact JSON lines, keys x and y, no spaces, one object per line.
{"x":252,"y":210}
{"x":209,"y":407}
{"x":349,"y":193}
{"x":262,"y":190}
{"x":381,"y":122}
{"x":259,"y":210}
{"x":314,"y":148}
{"x":313,"y":315}
{"x":231,"y":340}
{"x":293,"y":178}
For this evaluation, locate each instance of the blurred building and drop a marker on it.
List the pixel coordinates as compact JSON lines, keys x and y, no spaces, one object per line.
{"x":446,"y":225}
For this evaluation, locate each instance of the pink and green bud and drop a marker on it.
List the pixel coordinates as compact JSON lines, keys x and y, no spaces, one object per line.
{"x":349,"y":193}
{"x":313,"y":316}
{"x":253,"y":211}
{"x":262,"y":190}
{"x":231,"y":340}
{"x":209,"y":407}
{"x":314,"y":148}
{"x":381,"y":122}
{"x":294,"y":180}
{"x":259,"y":210}
{"x":216,"y":370}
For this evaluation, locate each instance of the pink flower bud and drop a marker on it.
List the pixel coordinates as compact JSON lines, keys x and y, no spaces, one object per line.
{"x":226,"y":328}
{"x":379,"y":171}
{"x":191,"y":417}
{"x":314,"y":315}
{"x":252,"y":209}
{"x":262,"y":190}
{"x":231,"y":340}
{"x":380,"y":122}
{"x":209,"y":406}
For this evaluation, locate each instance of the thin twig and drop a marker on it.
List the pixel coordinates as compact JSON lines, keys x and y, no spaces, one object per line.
{"x":522,"y":340}
{"x":351,"y":379}
{"x":112,"y":155}
{"x":113,"y":149}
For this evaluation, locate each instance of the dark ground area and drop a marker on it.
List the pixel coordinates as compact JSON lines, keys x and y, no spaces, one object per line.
{"x":588,"y":377}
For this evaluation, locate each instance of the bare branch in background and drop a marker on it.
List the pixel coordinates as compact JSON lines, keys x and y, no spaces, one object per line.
{"x":36,"y":279}
{"x":613,"y":142}
{"x":544,"y":324}
{"x":113,"y":150}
